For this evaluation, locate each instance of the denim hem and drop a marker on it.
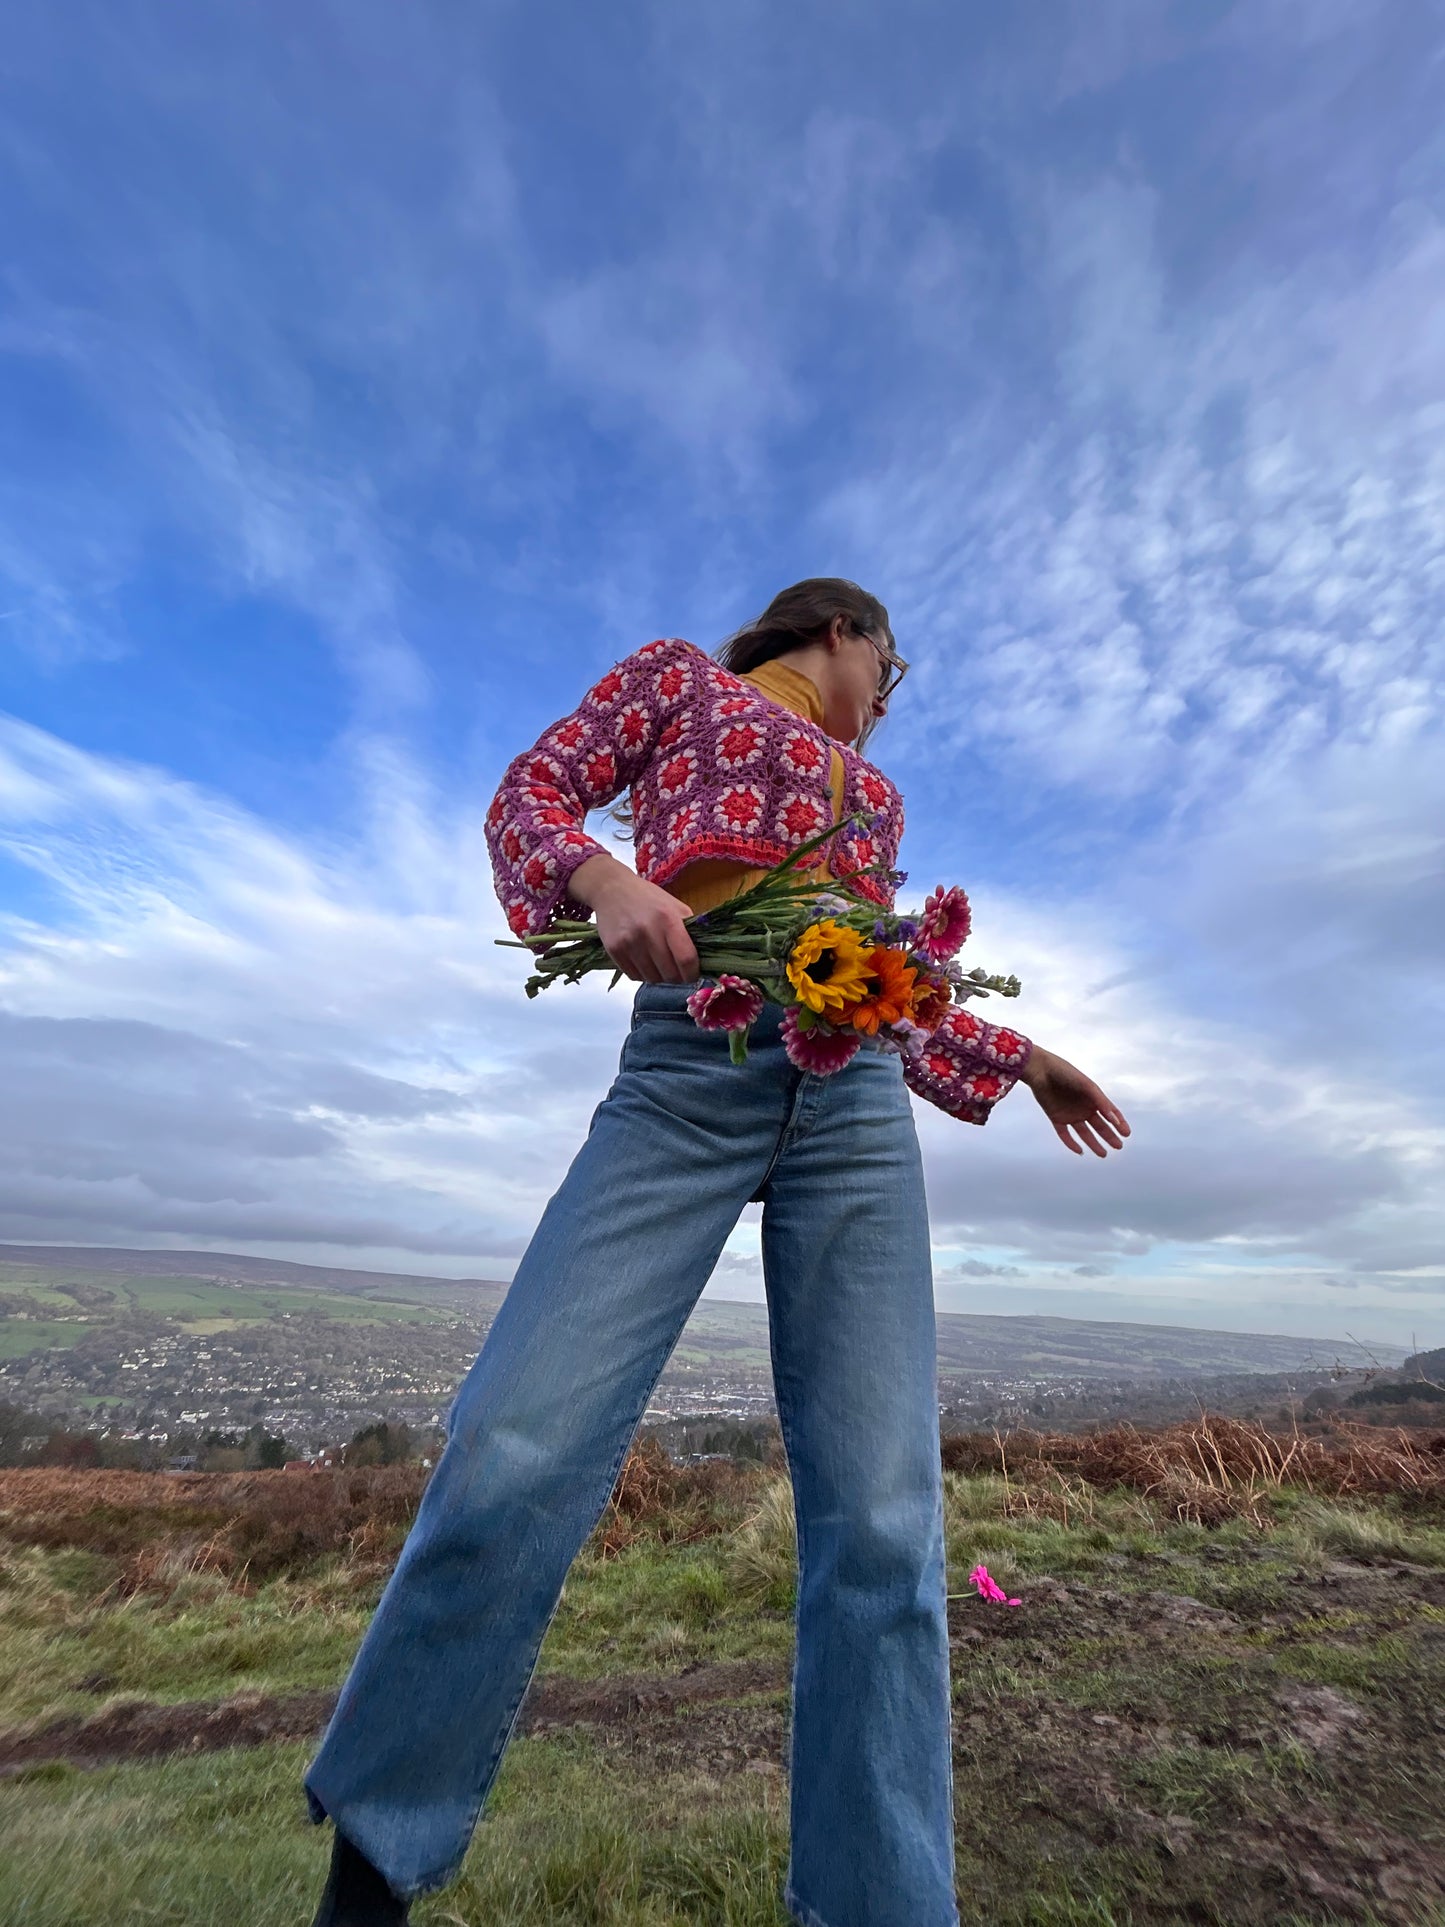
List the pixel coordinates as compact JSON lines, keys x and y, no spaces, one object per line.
{"x":800,"y":1911}
{"x":809,"y":1917}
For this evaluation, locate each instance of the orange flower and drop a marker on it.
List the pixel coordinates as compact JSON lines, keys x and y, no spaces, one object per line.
{"x":889,"y":995}
{"x":931,"y":998}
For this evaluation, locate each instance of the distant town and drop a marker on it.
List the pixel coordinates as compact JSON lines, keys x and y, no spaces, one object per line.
{"x":133,"y":1348}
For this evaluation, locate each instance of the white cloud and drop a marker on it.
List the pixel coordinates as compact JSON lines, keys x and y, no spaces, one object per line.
{"x":324,"y":1038}
{"x":228,"y":1036}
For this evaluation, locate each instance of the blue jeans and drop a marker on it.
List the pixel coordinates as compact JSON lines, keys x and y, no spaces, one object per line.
{"x":681,"y":1142}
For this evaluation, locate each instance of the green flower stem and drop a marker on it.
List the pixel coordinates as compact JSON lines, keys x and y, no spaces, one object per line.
{"x":750,"y":935}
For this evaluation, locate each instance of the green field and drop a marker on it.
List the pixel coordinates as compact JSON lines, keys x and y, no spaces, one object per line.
{"x":92,"y":1300}
{"x":21,"y":1336}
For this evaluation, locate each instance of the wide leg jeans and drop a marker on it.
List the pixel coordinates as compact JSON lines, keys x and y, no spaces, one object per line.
{"x":538,"y":1432}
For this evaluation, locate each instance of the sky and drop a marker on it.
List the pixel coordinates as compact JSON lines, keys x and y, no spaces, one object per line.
{"x":372,"y":378}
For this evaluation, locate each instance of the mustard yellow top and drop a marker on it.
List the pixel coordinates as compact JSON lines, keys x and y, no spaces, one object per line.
{"x":712,"y":880}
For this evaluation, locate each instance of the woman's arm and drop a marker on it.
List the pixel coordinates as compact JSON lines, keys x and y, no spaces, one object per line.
{"x":643,"y":928}
{"x":1073,"y":1102}
{"x":535,"y":824}
{"x":968,"y":1065}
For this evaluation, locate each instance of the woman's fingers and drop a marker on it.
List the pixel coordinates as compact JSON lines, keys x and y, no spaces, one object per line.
{"x":1102,"y":1123}
{"x":685,"y":958}
{"x":1086,"y":1128}
{"x":1111,"y":1113}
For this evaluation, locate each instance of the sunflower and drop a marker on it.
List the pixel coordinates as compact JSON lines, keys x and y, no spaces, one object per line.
{"x":827,"y":966}
{"x":887,"y":993}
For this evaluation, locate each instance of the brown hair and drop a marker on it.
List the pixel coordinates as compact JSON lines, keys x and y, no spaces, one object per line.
{"x":794,"y":618}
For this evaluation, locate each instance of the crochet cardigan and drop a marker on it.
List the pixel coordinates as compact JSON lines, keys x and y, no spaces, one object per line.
{"x":716,"y":768}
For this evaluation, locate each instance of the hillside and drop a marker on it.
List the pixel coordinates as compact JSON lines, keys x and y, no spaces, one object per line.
{"x":1218,"y":1700}
{"x":156,"y":1339}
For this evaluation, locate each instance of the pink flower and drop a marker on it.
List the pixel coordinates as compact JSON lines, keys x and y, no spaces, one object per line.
{"x":821,"y":1049}
{"x":944,"y":926}
{"x":990,"y":1588}
{"x":732,"y":1003}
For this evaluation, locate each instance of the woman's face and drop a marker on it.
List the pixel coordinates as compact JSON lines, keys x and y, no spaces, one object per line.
{"x":859,"y":672}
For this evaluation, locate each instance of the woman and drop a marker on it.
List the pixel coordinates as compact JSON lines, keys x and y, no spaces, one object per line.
{"x":731,"y":762}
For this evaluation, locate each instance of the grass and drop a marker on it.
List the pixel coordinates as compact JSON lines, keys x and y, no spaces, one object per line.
{"x":571,"y":1836}
{"x":21,"y":1336}
{"x":1220,"y":1711}
{"x":72,"y":1646}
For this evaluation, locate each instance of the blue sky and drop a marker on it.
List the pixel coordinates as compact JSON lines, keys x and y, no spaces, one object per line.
{"x":372,"y":378}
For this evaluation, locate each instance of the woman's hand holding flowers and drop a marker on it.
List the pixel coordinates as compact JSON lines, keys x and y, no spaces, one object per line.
{"x":1073,"y":1102}
{"x":642,"y":929}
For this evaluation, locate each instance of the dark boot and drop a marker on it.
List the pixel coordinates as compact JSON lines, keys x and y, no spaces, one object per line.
{"x":356,"y":1894}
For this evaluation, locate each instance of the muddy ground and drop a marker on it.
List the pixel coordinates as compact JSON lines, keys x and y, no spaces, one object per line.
{"x":1275,"y":1753}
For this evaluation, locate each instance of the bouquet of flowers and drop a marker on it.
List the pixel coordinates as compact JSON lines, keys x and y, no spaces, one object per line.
{"x":840,"y":969}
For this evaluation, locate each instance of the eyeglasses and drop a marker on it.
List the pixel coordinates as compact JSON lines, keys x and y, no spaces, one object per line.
{"x":893,"y":671}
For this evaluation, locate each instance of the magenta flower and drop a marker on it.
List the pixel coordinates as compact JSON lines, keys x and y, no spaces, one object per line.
{"x":990,"y":1588}
{"x":732,"y":1003}
{"x":944,"y":926}
{"x":821,"y":1049}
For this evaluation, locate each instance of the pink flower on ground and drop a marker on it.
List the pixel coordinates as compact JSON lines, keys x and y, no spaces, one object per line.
{"x":732,"y":1003}
{"x":820,"y":1049}
{"x":990,"y":1588}
{"x":944,"y":926}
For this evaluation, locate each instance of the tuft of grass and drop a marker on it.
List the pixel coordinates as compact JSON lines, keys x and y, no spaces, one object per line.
{"x":1317,"y":1529}
{"x":1200,"y":1782}
{"x":763,"y":1552}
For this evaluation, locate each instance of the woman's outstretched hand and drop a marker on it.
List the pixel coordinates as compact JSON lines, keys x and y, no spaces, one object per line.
{"x":1074,"y":1103}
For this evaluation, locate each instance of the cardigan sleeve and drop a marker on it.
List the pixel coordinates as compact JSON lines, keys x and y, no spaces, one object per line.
{"x":967,"y":1065}
{"x":535,"y":823}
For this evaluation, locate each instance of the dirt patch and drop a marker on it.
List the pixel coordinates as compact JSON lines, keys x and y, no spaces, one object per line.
{"x":138,"y":1730}
{"x":706,"y":1742}
{"x":554,"y":1702}
{"x":1178,"y":1748}
{"x":1319,"y":1717}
